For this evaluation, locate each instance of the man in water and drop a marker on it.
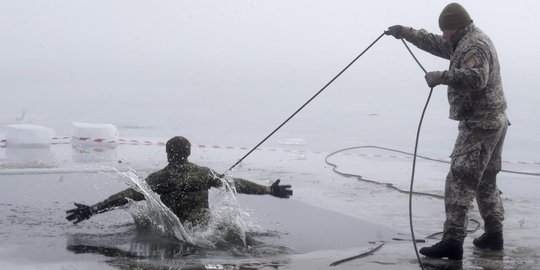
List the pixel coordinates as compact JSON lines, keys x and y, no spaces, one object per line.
{"x":183,"y":187}
{"x":477,"y":101}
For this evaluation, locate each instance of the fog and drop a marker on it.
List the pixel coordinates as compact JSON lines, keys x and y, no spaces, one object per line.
{"x":226,"y":73}
{"x":241,"y":65}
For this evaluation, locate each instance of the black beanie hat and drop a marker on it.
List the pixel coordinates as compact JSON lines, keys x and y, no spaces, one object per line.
{"x":454,"y":16}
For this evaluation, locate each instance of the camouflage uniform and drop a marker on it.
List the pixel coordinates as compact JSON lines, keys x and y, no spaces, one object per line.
{"x":183,"y":187}
{"x":477,"y":101}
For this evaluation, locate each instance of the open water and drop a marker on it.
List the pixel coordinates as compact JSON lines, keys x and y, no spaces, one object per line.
{"x":34,"y":233}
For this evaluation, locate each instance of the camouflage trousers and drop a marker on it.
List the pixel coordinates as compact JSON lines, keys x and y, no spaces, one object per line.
{"x":476,"y":160}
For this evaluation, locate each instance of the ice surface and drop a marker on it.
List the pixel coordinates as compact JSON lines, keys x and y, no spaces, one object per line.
{"x":39,"y":154}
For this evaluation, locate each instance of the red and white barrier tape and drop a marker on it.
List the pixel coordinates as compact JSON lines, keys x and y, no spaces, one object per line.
{"x":99,"y":141}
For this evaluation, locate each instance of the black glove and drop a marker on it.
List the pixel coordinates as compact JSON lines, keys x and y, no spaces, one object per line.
{"x":80,"y":213}
{"x":280,"y":191}
{"x":398,"y":31}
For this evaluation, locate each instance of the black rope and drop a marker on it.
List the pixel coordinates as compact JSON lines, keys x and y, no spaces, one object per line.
{"x":408,"y":154}
{"x":362,"y":255}
{"x":414,"y":158}
{"x":431,"y":236}
{"x":361,"y":178}
{"x":307,"y":102}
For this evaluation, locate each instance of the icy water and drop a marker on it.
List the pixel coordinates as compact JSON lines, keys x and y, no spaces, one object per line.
{"x":35,"y":234}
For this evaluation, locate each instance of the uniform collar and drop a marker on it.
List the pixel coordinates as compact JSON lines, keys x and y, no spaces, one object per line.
{"x":460,"y":33}
{"x":178,"y":164}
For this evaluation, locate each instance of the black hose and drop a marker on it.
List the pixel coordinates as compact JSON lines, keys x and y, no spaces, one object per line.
{"x":320,"y":91}
{"x":414,"y":158}
{"x":412,"y":177}
{"x":408,"y":154}
{"x":361,"y":178}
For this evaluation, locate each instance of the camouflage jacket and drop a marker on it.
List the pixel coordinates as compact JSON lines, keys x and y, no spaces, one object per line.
{"x":184,"y":189}
{"x":475,"y":89}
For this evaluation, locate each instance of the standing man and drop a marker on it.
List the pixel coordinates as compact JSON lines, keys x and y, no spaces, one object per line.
{"x":183,"y":187}
{"x":477,"y":101}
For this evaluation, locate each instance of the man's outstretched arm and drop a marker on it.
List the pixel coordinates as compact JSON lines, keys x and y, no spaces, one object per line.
{"x":277,"y":190}
{"x":82,"y":212}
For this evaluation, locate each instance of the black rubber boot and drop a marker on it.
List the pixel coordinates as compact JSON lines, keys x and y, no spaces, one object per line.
{"x":452,"y":250}
{"x":492,"y":241}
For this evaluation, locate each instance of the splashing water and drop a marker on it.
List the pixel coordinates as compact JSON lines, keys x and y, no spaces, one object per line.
{"x":158,"y":216}
{"x":225,"y":215}
{"x":225,"y":226}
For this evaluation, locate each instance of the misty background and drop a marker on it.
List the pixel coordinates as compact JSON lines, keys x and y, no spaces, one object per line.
{"x":228,"y":72}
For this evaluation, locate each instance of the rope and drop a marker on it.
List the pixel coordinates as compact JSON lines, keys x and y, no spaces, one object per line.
{"x":417,"y":134}
{"x":359,"y":177}
{"x":362,"y":255}
{"x":414,"y":158}
{"x":307,"y":102}
{"x":419,"y":156}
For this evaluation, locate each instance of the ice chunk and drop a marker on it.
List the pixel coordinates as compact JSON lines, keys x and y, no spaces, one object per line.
{"x":292,"y":141}
{"x":24,"y":135}
{"x":296,"y":147}
{"x":85,"y":134}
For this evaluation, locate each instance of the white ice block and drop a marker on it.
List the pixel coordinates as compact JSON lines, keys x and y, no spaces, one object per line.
{"x":24,"y":135}
{"x":86,"y":134}
{"x":293,"y":141}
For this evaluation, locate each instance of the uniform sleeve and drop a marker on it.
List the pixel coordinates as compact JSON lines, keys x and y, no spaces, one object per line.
{"x":211,"y":177}
{"x":472,"y":73}
{"x":214,"y":178}
{"x":119,"y":199}
{"x":429,"y":42}
{"x":248,"y":187}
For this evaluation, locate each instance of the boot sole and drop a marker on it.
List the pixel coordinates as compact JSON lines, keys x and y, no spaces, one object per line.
{"x":491,"y":248}
{"x":454,"y":258}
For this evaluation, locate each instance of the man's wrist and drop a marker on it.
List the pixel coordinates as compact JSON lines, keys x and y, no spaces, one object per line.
{"x":444,"y":79}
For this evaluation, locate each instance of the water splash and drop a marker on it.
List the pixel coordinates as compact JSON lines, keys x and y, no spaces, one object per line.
{"x":225,"y":215}
{"x":225,"y":227}
{"x":157,"y":215}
